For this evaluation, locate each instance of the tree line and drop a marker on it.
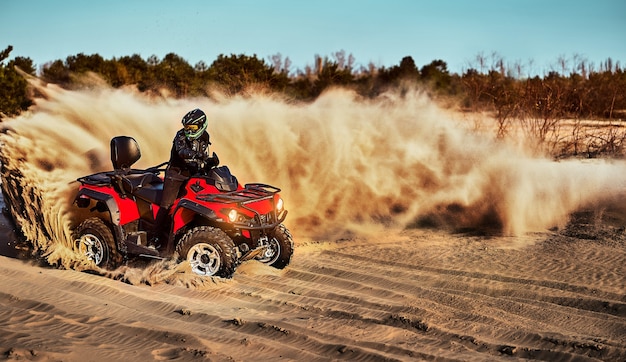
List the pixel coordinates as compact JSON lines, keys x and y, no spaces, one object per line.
{"x":575,"y":91}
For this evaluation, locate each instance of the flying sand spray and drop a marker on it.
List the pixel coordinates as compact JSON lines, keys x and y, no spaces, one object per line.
{"x":344,"y":164}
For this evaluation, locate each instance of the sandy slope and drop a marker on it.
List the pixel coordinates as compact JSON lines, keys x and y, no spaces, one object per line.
{"x":414,"y":295}
{"x":343,"y":163}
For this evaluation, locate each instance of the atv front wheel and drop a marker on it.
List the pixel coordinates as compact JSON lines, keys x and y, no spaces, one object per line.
{"x":94,"y":239}
{"x":209,"y":251}
{"x":279,"y":249}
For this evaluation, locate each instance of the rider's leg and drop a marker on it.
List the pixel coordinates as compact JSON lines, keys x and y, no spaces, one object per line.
{"x":171,"y":188}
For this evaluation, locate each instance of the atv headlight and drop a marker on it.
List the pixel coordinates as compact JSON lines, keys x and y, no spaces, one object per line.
{"x":232,"y":215}
{"x":279,"y":205}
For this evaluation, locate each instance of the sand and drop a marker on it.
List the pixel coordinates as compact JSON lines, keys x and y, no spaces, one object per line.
{"x":392,"y":203}
{"x":415,"y":294}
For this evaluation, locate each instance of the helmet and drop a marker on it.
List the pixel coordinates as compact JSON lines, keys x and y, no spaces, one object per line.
{"x":195,"y":123}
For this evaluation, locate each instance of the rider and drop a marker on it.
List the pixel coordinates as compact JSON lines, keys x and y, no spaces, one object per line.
{"x":190,"y":151}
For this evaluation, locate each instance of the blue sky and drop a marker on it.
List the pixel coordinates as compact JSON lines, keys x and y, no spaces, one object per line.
{"x":534,"y":33}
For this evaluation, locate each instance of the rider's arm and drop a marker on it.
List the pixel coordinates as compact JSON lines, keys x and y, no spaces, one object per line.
{"x":182,"y":148}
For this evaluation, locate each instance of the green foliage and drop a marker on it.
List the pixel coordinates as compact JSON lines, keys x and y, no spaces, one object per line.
{"x":436,"y":75}
{"x":14,"y":97}
{"x":407,"y":70}
{"x":236,"y":72}
{"x":331,"y":74}
{"x":82,"y":63}
{"x":127,"y":70}
{"x":24,"y":64}
{"x":56,"y":72}
{"x":174,"y":73}
{"x":583,"y":93}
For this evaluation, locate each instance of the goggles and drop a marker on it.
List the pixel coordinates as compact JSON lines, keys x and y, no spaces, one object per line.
{"x":191,"y":127}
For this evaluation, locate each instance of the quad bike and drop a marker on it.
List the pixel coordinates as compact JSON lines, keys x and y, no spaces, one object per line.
{"x":215,"y":223}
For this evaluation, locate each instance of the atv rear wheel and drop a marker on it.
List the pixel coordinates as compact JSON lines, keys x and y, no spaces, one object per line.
{"x":209,"y":251}
{"x":95,"y":240}
{"x":280,"y":248}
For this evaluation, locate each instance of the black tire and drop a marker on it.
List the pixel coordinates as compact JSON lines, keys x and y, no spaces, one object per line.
{"x":95,"y":240}
{"x":280,"y":250}
{"x":209,"y":251}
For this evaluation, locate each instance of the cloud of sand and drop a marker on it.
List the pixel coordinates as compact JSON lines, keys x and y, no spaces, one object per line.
{"x":343,"y":163}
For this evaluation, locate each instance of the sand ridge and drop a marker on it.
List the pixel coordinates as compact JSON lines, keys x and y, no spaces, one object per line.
{"x":429,"y":295}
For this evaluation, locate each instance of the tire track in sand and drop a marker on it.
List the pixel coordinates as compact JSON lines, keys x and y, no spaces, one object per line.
{"x":425,"y":296}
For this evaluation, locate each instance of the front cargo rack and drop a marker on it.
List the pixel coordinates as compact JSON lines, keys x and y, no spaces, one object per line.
{"x":250,"y":193}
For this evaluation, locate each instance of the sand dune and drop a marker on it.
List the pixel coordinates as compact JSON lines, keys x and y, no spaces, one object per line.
{"x":391,"y":204}
{"x":410,"y":295}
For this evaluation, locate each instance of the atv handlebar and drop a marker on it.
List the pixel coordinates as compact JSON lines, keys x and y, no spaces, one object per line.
{"x":205,"y":164}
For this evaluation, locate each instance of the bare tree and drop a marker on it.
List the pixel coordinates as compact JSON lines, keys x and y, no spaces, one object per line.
{"x":279,"y":64}
{"x":343,"y":61}
{"x":542,"y":111}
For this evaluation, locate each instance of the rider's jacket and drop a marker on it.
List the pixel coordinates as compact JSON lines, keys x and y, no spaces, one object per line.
{"x":187,"y":155}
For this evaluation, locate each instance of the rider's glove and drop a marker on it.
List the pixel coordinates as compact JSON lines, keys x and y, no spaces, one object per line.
{"x":189,"y":155}
{"x":212,"y":161}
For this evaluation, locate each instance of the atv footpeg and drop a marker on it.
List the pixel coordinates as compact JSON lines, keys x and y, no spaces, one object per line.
{"x":138,"y":238}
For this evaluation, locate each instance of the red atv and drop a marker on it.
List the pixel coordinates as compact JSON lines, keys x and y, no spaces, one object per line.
{"x":215,"y":222}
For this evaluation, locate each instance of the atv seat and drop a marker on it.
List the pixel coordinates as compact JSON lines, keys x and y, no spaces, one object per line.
{"x":97,"y":179}
{"x":139,"y":179}
{"x":144,"y":184}
{"x":149,"y":187}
